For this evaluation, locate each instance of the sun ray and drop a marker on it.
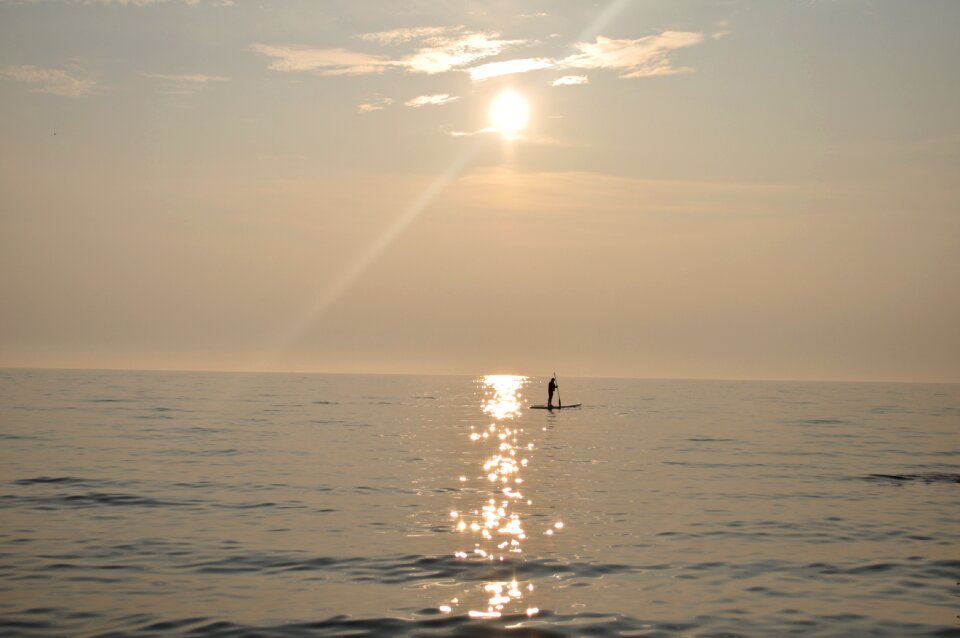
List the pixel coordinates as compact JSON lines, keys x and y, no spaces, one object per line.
{"x":366,"y":258}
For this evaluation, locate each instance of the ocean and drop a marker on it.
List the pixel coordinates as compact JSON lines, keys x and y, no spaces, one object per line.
{"x":232,"y":504}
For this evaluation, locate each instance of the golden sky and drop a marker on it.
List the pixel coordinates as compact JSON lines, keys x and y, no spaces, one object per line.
{"x":658,"y":188}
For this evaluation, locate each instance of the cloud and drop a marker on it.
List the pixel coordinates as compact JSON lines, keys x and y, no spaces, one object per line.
{"x":643,"y":57}
{"x":724,"y":28}
{"x":186,"y":78}
{"x":509,"y":67}
{"x":482,"y":131}
{"x":445,"y":53}
{"x":183,"y":84}
{"x":291,"y":59}
{"x":444,"y":49}
{"x":398,"y":36}
{"x":569,"y":80}
{"x":375,"y":104}
{"x":53,"y":81}
{"x":431,"y":100}
{"x":535,"y":191}
{"x":440,"y":49}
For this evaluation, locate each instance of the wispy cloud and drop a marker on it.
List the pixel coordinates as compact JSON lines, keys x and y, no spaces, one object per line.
{"x":723,"y":30}
{"x":617,"y":195}
{"x":569,"y":80}
{"x":52,"y":81}
{"x":183,"y":84}
{"x":444,"y":49}
{"x":439,"y":49}
{"x":482,"y":131}
{"x":432,"y":100}
{"x":509,"y":67}
{"x":375,"y":104}
{"x":398,"y":36}
{"x":323,"y":61}
{"x":642,"y":57}
{"x":445,"y":53}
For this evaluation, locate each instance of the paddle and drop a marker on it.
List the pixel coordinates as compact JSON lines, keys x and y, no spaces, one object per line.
{"x":559,"y":401}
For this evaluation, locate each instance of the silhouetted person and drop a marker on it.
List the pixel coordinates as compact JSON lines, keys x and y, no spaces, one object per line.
{"x":551,"y":388}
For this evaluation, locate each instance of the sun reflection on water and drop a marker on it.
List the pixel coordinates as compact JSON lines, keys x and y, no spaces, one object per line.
{"x":495,"y":526}
{"x":503,"y":395}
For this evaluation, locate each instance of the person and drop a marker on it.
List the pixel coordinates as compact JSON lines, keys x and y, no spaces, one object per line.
{"x":551,"y":388}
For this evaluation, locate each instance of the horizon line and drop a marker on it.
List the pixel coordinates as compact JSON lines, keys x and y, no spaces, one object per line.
{"x":464,"y":374}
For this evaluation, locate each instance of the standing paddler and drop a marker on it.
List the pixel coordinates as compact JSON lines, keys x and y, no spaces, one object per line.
{"x":551,"y":388}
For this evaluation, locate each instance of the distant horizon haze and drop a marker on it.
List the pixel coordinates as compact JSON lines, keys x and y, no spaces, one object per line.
{"x":476,"y":374}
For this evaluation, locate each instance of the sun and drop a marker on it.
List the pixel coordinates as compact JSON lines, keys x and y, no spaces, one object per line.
{"x":509,"y":113}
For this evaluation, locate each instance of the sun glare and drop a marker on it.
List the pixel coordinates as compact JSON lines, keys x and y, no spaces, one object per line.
{"x":509,"y":113}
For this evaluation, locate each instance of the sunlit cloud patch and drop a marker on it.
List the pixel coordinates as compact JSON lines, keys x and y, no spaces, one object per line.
{"x":570,"y":80}
{"x":482,"y":131}
{"x":52,"y":81}
{"x":642,"y":57}
{"x":457,"y":49}
{"x":183,"y":83}
{"x":399,"y":36}
{"x":509,"y":67}
{"x":375,"y":104}
{"x":439,"y":49}
{"x":291,"y":59}
{"x":431,"y":100}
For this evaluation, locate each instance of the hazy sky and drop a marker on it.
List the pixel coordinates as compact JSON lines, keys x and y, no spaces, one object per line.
{"x":733,"y":189}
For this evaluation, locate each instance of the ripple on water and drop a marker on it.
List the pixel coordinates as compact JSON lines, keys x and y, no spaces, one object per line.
{"x":90,"y":499}
{"x":430,"y":623}
{"x":399,"y":569}
{"x":784,"y":509}
{"x":923,"y":477}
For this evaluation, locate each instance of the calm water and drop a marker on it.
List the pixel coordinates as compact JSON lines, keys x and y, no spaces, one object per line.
{"x":318,"y":505}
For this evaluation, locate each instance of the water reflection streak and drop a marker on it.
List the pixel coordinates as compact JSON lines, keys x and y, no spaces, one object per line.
{"x":496,"y":525}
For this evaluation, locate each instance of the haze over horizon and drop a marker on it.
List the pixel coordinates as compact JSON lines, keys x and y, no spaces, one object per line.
{"x":662,"y":189}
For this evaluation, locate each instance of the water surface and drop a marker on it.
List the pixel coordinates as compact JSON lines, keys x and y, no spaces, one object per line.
{"x":135,"y":503}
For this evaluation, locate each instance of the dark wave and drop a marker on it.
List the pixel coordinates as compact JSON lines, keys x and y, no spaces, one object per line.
{"x":431,"y":623}
{"x":59,"y":480}
{"x":90,"y":499}
{"x":190,"y":452}
{"x":923,"y":477}
{"x":402,"y":569}
{"x":818,"y":422}
{"x":120,"y":499}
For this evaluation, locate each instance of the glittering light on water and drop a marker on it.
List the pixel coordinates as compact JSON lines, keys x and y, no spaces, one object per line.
{"x":505,"y":400}
{"x":497,"y":526}
{"x":484,"y":614}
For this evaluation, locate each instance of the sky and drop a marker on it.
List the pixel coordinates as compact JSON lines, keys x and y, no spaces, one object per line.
{"x":671,"y":189}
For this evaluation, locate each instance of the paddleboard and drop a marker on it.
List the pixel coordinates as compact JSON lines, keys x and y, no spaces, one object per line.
{"x":555,"y":407}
